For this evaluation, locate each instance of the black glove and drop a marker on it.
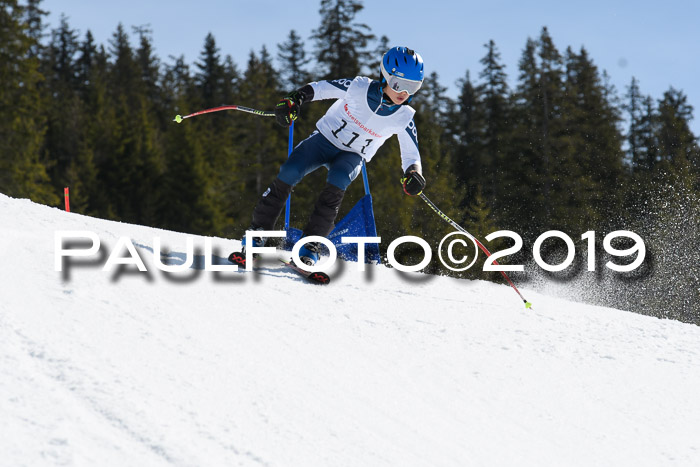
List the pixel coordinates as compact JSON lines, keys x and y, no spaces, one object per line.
{"x":412,"y":181}
{"x":288,"y":108}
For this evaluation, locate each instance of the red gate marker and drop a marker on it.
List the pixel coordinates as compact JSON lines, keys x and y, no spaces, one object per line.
{"x":65,"y":194}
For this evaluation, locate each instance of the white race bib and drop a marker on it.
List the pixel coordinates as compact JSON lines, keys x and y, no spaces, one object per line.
{"x":351,"y":125}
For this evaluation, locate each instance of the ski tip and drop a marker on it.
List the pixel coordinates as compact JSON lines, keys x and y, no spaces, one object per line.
{"x":319,"y":278}
{"x":238,"y":259}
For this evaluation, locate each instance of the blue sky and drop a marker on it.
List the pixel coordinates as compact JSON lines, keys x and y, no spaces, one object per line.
{"x":657,"y":42}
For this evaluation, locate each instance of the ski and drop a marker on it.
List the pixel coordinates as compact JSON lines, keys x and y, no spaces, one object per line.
{"x":237,"y":258}
{"x":320,"y":278}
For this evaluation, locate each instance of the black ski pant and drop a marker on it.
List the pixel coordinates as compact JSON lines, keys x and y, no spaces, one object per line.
{"x":312,"y":153}
{"x":322,"y":219}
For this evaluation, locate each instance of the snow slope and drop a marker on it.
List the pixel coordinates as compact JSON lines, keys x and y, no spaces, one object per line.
{"x":377,"y":369}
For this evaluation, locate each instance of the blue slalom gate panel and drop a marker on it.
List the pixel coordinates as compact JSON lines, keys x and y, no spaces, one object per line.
{"x":359,"y":222}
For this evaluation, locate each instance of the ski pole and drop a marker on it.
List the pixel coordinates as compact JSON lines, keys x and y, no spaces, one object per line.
{"x":474,"y":239}
{"x":263,"y":113}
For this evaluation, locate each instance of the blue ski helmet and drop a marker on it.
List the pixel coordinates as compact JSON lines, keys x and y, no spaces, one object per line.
{"x":402,"y":70}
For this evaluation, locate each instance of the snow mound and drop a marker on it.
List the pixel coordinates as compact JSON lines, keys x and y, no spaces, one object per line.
{"x":378,"y":368}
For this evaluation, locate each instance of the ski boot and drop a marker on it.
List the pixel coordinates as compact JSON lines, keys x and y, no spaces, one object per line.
{"x":239,"y":258}
{"x":257,"y":241}
{"x":309,"y":253}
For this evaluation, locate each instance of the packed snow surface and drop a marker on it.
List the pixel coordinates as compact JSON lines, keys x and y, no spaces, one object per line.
{"x":380,"y":368}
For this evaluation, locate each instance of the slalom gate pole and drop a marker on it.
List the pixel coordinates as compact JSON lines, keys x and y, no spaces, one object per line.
{"x":478,"y":243}
{"x":262,"y":113}
{"x":365,"y":179}
{"x":288,"y":207}
{"x":66,"y":198}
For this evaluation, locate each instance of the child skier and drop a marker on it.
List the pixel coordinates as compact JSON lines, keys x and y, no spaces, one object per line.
{"x":366,"y":114}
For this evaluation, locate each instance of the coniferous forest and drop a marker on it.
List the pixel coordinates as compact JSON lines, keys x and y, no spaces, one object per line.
{"x":560,"y":150}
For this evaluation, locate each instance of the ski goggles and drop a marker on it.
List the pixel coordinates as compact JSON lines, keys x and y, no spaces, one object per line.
{"x":399,"y":84}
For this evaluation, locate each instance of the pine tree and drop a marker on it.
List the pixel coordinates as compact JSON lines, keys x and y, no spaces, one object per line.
{"x":85,"y":61}
{"x":215,"y":82}
{"x":132,"y":169}
{"x":526,"y":147}
{"x":62,"y":105}
{"x":262,"y":143}
{"x":191,"y":201}
{"x":433,"y":109}
{"x":553,"y":149}
{"x":494,"y":166}
{"x":678,"y":146}
{"x":208,"y":154}
{"x":341,"y":44}
{"x":261,"y":89}
{"x":590,"y":181}
{"x":468,"y":132}
{"x":22,"y":170}
{"x":149,"y":70}
{"x":664,"y":206}
{"x":480,"y":222}
{"x":638,"y":156}
{"x":231,"y":82}
{"x":210,"y":78}
{"x":642,"y":151}
{"x":68,"y":105}
{"x":555,"y":156}
{"x":33,"y":15}
{"x":60,"y":56}
{"x":383,"y":45}
{"x":647,"y":130}
{"x":293,"y":62}
{"x":90,"y":194}
{"x":294,"y":73}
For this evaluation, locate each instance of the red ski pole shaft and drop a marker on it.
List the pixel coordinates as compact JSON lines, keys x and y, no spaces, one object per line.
{"x":478,"y":243}
{"x":262,"y":113}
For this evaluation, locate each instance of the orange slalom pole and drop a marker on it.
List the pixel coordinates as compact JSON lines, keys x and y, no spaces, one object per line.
{"x":66,"y":197}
